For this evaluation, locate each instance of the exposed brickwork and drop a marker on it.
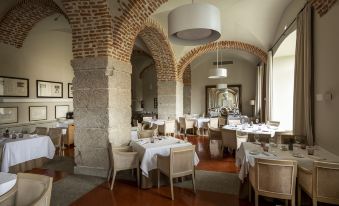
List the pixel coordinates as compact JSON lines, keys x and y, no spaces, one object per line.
{"x":128,"y":25}
{"x":322,"y":6}
{"x":91,"y":24}
{"x":187,"y":76}
{"x":198,"y":51}
{"x":159,"y":46}
{"x":20,"y":19}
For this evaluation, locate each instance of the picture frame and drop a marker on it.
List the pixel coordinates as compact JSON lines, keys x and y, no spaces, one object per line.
{"x":37,"y":113}
{"x":49,"y":89}
{"x":61,"y":111}
{"x":9,"y":115}
{"x":14,"y":87}
{"x":70,"y":90}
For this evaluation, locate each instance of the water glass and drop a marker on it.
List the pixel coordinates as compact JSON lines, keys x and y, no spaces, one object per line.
{"x":310,"y":150}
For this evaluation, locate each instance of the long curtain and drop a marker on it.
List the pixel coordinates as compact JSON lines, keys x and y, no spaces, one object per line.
{"x":258,"y":95}
{"x":269,"y":86}
{"x":302,"y":105}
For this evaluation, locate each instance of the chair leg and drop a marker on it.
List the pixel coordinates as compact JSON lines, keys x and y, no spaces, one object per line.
{"x":113,"y":178}
{"x":193,"y":182}
{"x":315,"y":202}
{"x":138,"y":176}
{"x":158,"y":178}
{"x":299,"y":195}
{"x":249,"y":192}
{"x":293,"y":201}
{"x":286,"y":202}
{"x":256,"y":199}
{"x":109,"y":174}
{"x":172,"y":193}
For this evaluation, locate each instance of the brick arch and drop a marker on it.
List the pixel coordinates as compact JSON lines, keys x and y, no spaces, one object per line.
{"x":236,"y":45}
{"x":20,"y":19}
{"x":127,"y":26}
{"x":158,"y":44}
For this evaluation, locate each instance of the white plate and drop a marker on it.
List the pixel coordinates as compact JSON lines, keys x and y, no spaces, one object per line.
{"x":254,"y":152}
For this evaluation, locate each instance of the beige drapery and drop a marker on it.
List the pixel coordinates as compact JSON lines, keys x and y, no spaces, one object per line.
{"x":269,"y":86}
{"x":259,"y":87}
{"x":302,"y":105}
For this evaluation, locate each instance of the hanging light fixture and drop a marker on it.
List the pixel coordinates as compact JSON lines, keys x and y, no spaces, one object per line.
{"x":194,"y":24}
{"x":217,"y":73}
{"x":222,"y":86}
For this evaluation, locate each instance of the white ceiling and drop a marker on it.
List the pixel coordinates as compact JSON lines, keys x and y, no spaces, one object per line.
{"x":287,"y":47}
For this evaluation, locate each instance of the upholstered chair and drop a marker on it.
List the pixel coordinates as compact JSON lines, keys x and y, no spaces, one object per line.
{"x":273,"y":178}
{"x":204,"y":128}
{"x":30,"y":189}
{"x":179,"y":163}
{"x":215,"y":144}
{"x":40,"y":131}
{"x":145,"y":134}
{"x":321,"y":184}
{"x":214,"y":122}
{"x":186,"y":124}
{"x":222,"y":121}
{"x":273,"y":123}
{"x":229,"y":139}
{"x":169,"y":127}
{"x":56,"y":134}
{"x":122,"y":158}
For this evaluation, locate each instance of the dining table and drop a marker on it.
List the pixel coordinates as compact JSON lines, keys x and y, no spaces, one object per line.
{"x":260,"y":129}
{"x":20,"y":150}
{"x":7,"y":182}
{"x":249,"y":151}
{"x":148,"y":151}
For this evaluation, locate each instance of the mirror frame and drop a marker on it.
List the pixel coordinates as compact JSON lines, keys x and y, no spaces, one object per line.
{"x":238,"y":86}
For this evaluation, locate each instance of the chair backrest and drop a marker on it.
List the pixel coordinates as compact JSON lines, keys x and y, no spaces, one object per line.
{"x":40,"y":130}
{"x":214,"y":133}
{"x":326,"y":182}
{"x":273,"y":123}
{"x":275,"y":178}
{"x":169,"y":126}
{"x":55,"y":134}
{"x":33,"y":189}
{"x":229,"y":138}
{"x":214,"y":122}
{"x":222,"y":121}
{"x":234,"y":121}
{"x":181,"y":161}
{"x":182,"y":122}
{"x":149,"y":127}
{"x":121,"y":158}
{"x":145,"y":134}
{"x":147,"y":119}
{"x":189,"y":123}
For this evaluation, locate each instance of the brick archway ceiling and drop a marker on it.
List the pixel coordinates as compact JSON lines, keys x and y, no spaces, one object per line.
{"x":20,"y":19}
{"x":322,"y":6}
{"x":236,"y":45}
{"x":158,"y":44}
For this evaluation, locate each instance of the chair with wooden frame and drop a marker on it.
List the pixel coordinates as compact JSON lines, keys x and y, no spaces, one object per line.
{"x":186,"y":124}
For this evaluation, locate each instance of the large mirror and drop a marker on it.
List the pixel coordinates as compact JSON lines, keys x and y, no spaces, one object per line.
{"x":229,"y":98}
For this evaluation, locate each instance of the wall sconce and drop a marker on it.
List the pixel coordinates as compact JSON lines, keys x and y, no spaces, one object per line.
{"x":325,"y":97}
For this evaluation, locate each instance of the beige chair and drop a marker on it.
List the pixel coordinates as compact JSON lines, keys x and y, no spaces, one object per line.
{"x":204,"y":128}
{"x":40,"y":131}
{"x":229,"y":139}
{"x":186,"y":124}
{"x":215,"y":144}
{"x":179,"y":163}
{"x":241,"y":137}
{"x":214,"y":122}
{"x":222,"y":121}
{"x":273,"y":123}
{"x":145,"y":134}
{"x":169,"y":127}
{"x":30,"y":189}
{"x":56,"y":134}
{"x":70,"y":135}
{"x":273,"y":178}
{"x":321,"y":184}
{"x":122,"y":158}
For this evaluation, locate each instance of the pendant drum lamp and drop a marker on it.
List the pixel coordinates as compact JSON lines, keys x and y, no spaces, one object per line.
{"x":221,"y":86}
{"x":194,"y":24}
{"x":217,"y":73}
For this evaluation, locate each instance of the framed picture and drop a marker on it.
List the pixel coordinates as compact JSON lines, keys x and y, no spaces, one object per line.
{"x":61,"y":111}
{"x":37,"y":113}
{"x":48,"y":89}
{"x":14,"y":87}
{"x":70,"y":90}
{"x":8,"y":115}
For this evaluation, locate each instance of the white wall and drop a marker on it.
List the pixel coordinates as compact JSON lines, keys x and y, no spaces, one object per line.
{"x":326,"y":71}
{"x":241,"y":72}
{"x":45,"y":55}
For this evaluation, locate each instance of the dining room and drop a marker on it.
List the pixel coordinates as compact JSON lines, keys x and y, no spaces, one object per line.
{"x":169,"y":102}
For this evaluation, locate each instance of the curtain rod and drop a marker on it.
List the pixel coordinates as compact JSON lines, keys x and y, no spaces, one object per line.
{"x":288,"y":27}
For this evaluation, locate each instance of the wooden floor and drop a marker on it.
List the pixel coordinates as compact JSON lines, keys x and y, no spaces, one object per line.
{"x":127,"y":193}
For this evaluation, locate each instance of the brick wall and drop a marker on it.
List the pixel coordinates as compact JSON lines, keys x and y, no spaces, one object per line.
{"x":187,"y":76}
{"x":198,"y":51}
{"x":322,"y":6}
{"x":20,"y":19}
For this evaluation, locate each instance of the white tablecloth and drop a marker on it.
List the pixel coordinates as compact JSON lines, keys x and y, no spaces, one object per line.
{"x":7,"y":182}
{"x":64,"y":125}
{"x":255,"y":129}
{"x":244,"y":159}
{"x":148,"y":151}
{"x":28,"y":148}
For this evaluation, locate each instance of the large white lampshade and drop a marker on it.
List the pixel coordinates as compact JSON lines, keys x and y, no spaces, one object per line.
{"x":221,"y":86}
{"x":194,"y":24}
{"x":217,"y":73}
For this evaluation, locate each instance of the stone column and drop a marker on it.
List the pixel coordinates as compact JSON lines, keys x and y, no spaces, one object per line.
{"x":102,"y":111}
{"x":187,"y":98}
{"x":170,"y":99}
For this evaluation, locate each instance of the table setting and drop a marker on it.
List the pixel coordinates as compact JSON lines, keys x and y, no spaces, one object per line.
{"x":254,"y":128}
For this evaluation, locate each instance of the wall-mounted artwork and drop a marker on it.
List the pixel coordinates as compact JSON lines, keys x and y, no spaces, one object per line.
{"x":37,"y":113}
{"x":70,"y":90}
{"x":8,"y":115}
{"x":61,"y":111}
{"x":14,"y":87}
{"x":48,"y":89}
